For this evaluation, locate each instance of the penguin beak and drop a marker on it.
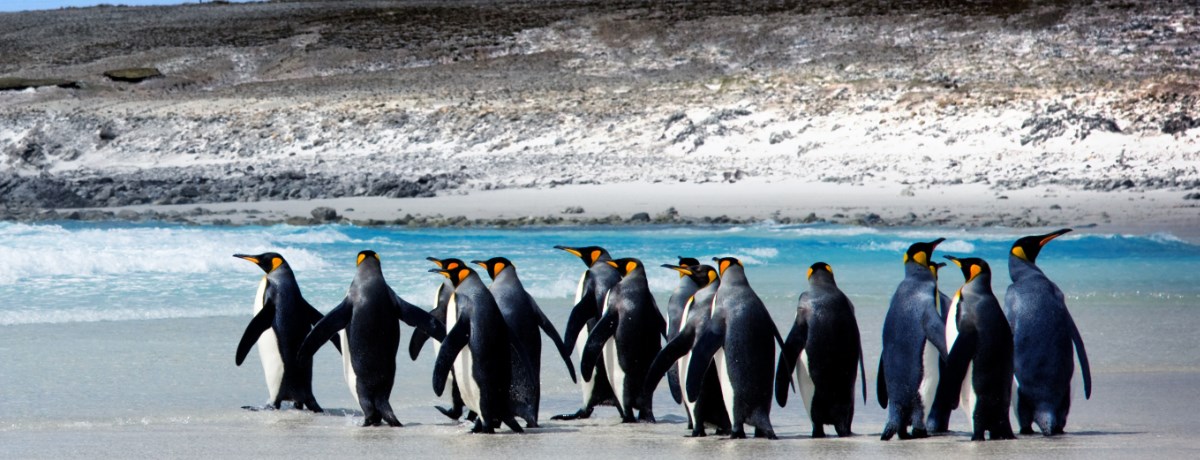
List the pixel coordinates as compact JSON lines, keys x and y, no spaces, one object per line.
{"x":953,"y":259}
{"x":613,"y":263}
{"x":1051,"y":236}
{"x":480,"y":263}
{"x":934,"y":243}
{"x":573,"y":251}
{"x":682,"y":271}
{"x":440,"y":272}
{"x":252,"y":259}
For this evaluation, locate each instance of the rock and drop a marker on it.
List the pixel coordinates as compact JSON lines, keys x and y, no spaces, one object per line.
{"x":573,"y":210}
{"x":325,"y":214}
{"x":640,"y":217}
{"x":18,"y":84}
{"x":1192,"y":196}
{"x":133,"y":75}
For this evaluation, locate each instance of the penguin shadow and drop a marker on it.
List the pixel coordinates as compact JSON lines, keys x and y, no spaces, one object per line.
{"x":1071,"y":434}
{"x":671,"y":419}
{"x":334,"y":412}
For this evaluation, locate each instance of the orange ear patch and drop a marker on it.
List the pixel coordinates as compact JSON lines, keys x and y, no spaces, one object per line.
{"x":276,"y":262}
{"x":595,"y":255}
{"x":499,"y":267}
{"x":630,"y":266}
{"x":975,"y":271}
{"x":1019,"y":252}
{"x":361,"y":257}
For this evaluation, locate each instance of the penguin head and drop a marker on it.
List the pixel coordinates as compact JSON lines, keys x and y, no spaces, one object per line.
{"x":626,"y":266}
{"x":686,"y":262}
{"x":972,"y":267}
{"x":935,"y":267}
{"x":820,"y":272}
{"x":456,"y":275}
{"x":723,"y":263}
{"x":589,"y":254}
{"x":267,"y":261}
{"x":920,"y":253}
{"x":1027,"y":248}
{"x":494,"y":266}
{"x":702,"y":275}
{"x":367,"y":256}
{"x":448,"y":264}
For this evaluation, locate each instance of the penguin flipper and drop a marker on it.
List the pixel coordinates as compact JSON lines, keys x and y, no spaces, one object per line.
{"x":1081,"y":352}
{"x":314,"y":316}
{"x":862,"y":370}
{"x":604,"y":329}
{"x":880,"y":383}
{"x":663,"y":362}
{"x":419,"y":337}
{"x":581,"y":313}
{"x":458,"y":337}
{"x":548,"y":328}
{"x":710,"y":340}
{"x":414,"y":316}
{"x":951,"y":380}
{"x":935,"y":332}
{"x":261,"y":322}
{"x":789,"y":353}
{"x":326,"y":328}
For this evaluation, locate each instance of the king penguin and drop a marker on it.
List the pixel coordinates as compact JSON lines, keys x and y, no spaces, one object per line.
{"x":368,"y":319}
{"x":824,"y":349}
{"x":628,"y":337}
{"x":441,"y":300}
{"x":675,"y":305}
{"x":589,"y":302}
{"x":914,"y":345}
{"x":485,"y":375}
{"x":1043,"y":335}
{"x":282,"y":318}
{"x":979,"y":368}
{"x":524,"y":318}
{"x":739,"y":341}
{"x":709,"y":406}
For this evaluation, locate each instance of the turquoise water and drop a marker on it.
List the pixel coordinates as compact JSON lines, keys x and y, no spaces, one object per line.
{"x":113,"y":272}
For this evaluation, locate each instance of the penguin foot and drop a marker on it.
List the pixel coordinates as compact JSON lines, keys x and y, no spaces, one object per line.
{"x":890,"y":430}
{"x":769,"y":434}
{"x":513,"y":425}
{"x":818,"y":431}
{"x":533,"y":424}
{"x":919,"y":433}
{"x":697,"y":434}
{"x":740,"y":434}
{"x":722,"y":432}
{"x":580,"y":414}
{"x":267,"y":407}
{"x":454,"y":413}
{"x":1027,"y":430}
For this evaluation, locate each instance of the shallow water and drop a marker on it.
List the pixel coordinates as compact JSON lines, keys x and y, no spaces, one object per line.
{"x":118,"y":340}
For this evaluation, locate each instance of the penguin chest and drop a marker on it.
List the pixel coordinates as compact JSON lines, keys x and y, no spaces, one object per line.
{"x":967,"y":399}
{"x":268,"y":347}
{"x":585,"y":384}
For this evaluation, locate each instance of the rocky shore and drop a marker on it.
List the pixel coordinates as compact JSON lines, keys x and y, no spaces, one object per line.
{"x":304,"y":101}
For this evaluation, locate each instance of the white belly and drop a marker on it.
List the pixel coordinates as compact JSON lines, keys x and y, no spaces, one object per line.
{"x":804,"y":379}
{"x":929,"y":381}
{"x":952,"y":323}
{"x":616,"y":374}
{"x":682,"y":365}
{"x":585,"y":384}
{"x":268,"y":348}
{"x":464,"y":364}
{"x":726,"y":384}
{"x":348,"y":365}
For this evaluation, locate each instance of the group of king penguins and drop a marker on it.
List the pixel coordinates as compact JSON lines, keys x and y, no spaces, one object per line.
{"x":939,"y":353}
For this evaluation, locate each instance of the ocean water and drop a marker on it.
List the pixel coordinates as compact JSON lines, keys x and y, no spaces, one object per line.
{"x":118,"y":339}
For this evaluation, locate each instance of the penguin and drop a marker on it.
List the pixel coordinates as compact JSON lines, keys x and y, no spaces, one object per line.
{"x":675,"y":306}
{"x":823,"y":348}
{"x":736,"y":343}
{"x":589,"y":301}
{"x":1043,"y":337}
{"x":979,"y":367}
{"x":282,"y":318}
{"x":524,"y":318}
{"x":485,"y":375}
{"x":709,"y":407}
{"x":909,"y":365}
{"x":441,"y":299}
{"x":370,"y":335}
{"x":627,"y":336}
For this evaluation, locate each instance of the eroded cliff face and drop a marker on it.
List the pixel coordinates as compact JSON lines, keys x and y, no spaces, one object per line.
{"x":333,"y":99}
